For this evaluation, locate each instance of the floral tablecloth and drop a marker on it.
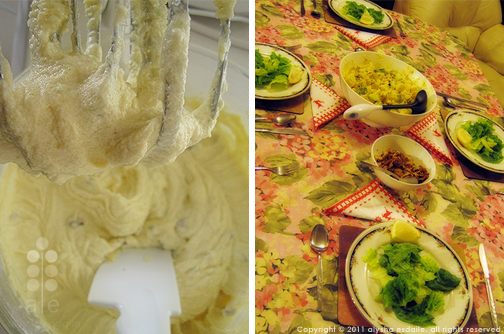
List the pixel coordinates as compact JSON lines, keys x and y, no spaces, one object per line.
{"x":462,"y":211}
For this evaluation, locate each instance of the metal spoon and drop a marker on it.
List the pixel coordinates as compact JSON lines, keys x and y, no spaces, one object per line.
{"x":455,"y":104}
{"x":359,"y":111}
{"x":319,"y":242}
{"x":280,"y":119}
{"x":407,"y":179}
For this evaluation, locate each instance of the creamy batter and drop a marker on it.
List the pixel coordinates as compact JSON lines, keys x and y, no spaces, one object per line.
{"x":196,"y":206}
{"x":76,"y":115}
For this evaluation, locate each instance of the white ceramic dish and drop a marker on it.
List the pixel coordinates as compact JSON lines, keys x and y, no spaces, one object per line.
{"x":283,"y":92}
{"x":408,"y":146}
{"x":363,"y":288}
{"x":452,"y":123}
{"x":337,"y":7}
{"x":385,"y":118}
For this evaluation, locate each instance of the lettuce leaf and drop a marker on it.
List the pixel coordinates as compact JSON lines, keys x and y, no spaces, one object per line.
{"x":421,"y":313}
{"x":412,"y":283}
{"x":400,"y":291}
{"x":400,"y":257}
{"x":444,"y":281}
{"x":435,"y":301}
{"x":356,"y":11}
{"x":376,"y":14}
{"x":414,"y":314}
{"x":271,"y":70}
{"x":484,"y":141}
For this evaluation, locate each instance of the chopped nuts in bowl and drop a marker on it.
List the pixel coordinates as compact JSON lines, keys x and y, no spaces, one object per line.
{"x":405,"y":157}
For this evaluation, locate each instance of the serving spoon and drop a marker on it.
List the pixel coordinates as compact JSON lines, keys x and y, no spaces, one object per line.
{"x":319,"y":241}
{"x":359,"y":111}
{"x":406,"y":179}
{"x":456,"y":104}
{"x":280,"y":119}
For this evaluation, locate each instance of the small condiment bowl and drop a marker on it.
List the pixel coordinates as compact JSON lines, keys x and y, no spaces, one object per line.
{"x":411,"y":148}
{"x":385,"y":118}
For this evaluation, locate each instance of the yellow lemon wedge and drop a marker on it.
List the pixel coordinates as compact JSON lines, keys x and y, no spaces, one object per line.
{"x":366,"y":18}
{"x":404,"y":232}
{"x":295,"y":75}
{"x":464,"y":137}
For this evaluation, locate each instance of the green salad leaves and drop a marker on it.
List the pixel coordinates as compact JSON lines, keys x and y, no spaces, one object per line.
{"x":481,"y":139}
{"x":356,"y":11}
{"x":271,"y":70}
{"x":413,"y":284}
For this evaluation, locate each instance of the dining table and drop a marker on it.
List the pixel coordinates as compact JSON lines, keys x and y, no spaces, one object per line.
{"x":462,"y":205}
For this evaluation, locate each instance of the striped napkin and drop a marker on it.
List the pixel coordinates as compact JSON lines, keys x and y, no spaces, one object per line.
{"x":428,"y":133}
{"x":363,"y":38}
{"x":325,"y":103}
{"x":373,"y":202}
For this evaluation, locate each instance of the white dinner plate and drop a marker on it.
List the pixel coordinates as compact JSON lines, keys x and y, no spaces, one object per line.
{"x":452,"y":123}
{"x":364,"y":289}
{"x":283,"y":92}
{"x":337,"y":7}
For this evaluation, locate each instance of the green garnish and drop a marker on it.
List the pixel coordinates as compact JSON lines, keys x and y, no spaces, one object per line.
{"x":413,"y":284}
{"x":484,"y":142}
{"x":271,"y":70}
{"x":356,"y":11}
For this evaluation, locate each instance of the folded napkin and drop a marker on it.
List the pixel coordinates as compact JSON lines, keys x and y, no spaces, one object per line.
{"x":428,"y":133}
{"x":325,"y":103}
{"x":364,"y":38}
{"x":373,"y":202}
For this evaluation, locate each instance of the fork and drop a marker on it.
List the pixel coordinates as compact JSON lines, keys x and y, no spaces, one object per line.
{"x":281,"y":170}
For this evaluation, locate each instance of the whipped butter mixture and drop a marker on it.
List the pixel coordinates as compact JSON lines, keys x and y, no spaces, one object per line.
{"x":197,"y":207}
{"x":74,"y":114}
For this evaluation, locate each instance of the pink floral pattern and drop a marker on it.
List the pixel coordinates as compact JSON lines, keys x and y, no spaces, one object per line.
{"x":462,"y":211}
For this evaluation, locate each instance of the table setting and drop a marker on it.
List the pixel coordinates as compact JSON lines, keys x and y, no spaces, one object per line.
{"x":334,"y":145}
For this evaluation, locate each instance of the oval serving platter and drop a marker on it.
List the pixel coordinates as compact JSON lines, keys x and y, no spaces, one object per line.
{"x":453,"y":121}
{"x":337,"y":7}
{"x":364,"y":289}
{"x":291,"y":91}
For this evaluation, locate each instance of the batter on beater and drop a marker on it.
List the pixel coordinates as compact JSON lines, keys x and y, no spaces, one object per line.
{"x":76,"y":115}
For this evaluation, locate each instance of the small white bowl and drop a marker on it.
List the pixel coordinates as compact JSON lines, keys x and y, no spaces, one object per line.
{"x":385,"y":118}
{"x":409,"y":147}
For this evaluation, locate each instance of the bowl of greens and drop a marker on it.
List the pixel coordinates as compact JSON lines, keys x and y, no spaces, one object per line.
{"x":279,"y":74}
{"x":416,"y":286}
{"x":477,"y":137}
{"x":362,"y":13}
